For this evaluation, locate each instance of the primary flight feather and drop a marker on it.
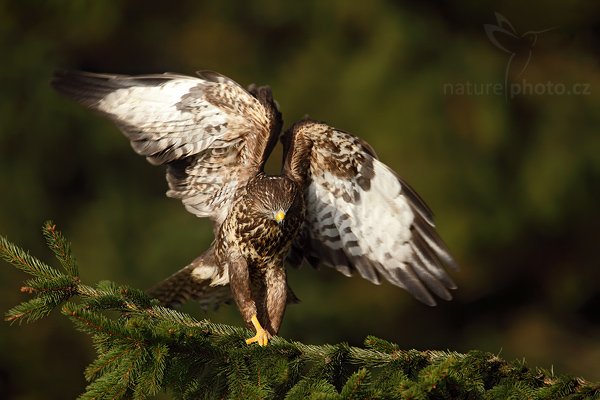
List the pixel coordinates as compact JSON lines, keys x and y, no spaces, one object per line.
{"x":334,"y":203}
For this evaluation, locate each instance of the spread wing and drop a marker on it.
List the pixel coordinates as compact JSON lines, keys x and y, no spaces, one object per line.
{"x":360,"y":216}
{"x":211,"y":133}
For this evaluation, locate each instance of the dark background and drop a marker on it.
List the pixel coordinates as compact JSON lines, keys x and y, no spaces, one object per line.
{"x":514,"y":182}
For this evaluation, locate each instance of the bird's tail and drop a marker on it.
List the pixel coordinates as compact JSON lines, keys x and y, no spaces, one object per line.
{"x":202,"y":280}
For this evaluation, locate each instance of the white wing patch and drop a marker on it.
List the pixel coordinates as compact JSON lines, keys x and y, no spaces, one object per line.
{"x":361,"y":217}
{"x":134,"y":104}
{"x":212,"y":273}
{"x":158,"y":123}
{"x":376,"y":226}
{"x":211,"y":133}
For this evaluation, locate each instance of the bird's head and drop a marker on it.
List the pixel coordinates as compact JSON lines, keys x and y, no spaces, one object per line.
{"x":274,"y":199}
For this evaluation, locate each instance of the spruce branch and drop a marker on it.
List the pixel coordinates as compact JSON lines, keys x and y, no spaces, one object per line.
{"x":60,"y":247}
{"x":23,"y":261}
{"x":144,"y":349}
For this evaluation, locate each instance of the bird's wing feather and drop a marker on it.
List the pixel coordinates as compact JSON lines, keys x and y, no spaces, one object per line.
{"x":211,"y":133}
{"x":361,"y":217}
{"x":202,"y":280}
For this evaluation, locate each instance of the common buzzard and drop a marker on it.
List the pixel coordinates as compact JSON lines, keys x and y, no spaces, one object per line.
{"x":334,"y":203}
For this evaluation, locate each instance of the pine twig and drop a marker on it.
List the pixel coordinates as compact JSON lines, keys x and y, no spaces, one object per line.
{"x":143,"y":349}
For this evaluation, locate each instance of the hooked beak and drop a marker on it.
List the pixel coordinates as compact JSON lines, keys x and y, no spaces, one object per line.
{"x":279,"y":216}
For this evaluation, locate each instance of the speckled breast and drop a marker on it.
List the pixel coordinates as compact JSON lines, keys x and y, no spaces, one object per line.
{"x":261,"y":240}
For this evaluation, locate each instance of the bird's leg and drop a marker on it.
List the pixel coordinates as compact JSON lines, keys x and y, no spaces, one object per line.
{"x":275,"y":293}
{"x":262,"y":336}
{"x":239,"y":280}
{"x":276,"y":297}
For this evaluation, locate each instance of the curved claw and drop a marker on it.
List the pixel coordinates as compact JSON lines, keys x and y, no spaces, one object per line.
{"x":262,"y":336}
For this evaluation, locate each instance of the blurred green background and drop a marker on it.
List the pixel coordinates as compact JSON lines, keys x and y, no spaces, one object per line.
{"x":514,"y":182}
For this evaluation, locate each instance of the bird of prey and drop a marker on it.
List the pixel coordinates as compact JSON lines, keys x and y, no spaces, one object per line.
{"x":334,"y":202}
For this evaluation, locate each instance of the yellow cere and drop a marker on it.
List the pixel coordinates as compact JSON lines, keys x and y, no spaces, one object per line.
{"x":279,"y":216}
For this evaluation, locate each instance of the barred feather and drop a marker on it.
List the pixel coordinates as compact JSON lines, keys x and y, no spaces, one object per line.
{"x":361,"y":217}
{"x":211,"y":133}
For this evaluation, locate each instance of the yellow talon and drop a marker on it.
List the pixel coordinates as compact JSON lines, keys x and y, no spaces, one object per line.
{"x":262,"y":336}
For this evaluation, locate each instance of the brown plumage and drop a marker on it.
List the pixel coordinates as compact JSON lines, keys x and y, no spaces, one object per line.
{"x":335,"y":203}
{"x":254,"y":244}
